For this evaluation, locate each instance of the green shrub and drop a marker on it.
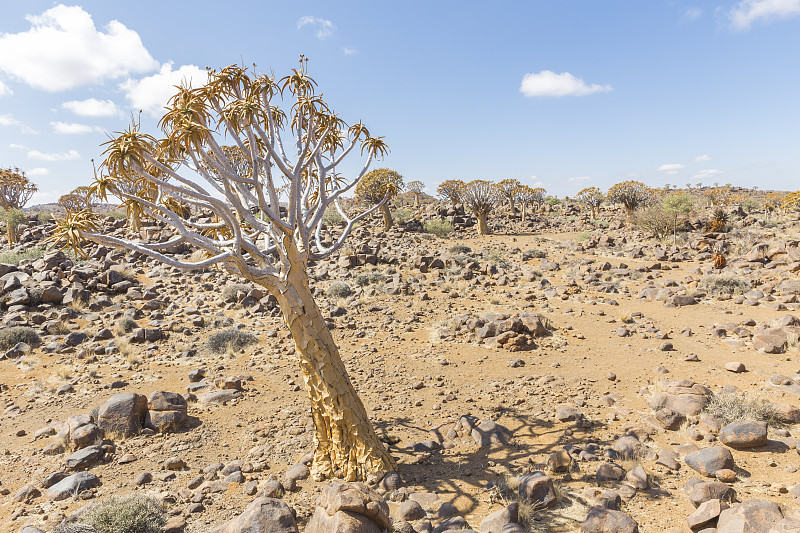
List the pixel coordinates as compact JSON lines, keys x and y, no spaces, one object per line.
{"x":14,"y":258}
{"x":117,"y":514}
{"x":230,"y":291}
{"x":232,"y":338}
{"x":460,"y":249}
{"x":118,"y":214}
{"x":10,"y":337}
{"x":553,"y":201}
{"x":44,"y":217}
{"x":362,"y":280}
{"x":332,"y":217}
{"x":654,"y":220}
{"x":401,"y":216}
{"x":584,"y":236}
{"x":725,"y":283}
{"x":440,"y":228}
{"x":339,"y":289}
{"x":730,"y":407}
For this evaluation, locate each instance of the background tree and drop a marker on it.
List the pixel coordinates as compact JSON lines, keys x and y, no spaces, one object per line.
{"x":251,"y":234}
{"x":677,"y":204}
{"x":415,"y":188}
{"x":71,"y":202}
{"x":530,"y":198}
{"x":15,"y":191}
{"x":632,"y":195}
{"x":481,"y":197}
{"x":509,"y":189}
{"x":451,"y":191}
{"x":378,"y":187}
{"x":592,"y":198}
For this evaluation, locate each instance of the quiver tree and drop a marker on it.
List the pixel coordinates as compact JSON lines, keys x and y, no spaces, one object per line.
{"x":592,"y":198}
{"x":530,"y":198}
{"x":15,"y":191}
{"x":291,"y":137}
{"x":415,"y":188}
{"x":509,"y":190}
{"x":71,"y":202}
{"x":376,"y":188}
{"x":632,"y":195}
{"x":677,"y":204}
{"x":451,"y":191}
{"x":481,"y":197}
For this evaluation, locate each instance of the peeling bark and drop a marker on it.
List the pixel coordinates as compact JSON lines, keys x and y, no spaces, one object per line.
{"x":387,"y":216}
{"x":346,"y":444}
{"x":483,"y":227}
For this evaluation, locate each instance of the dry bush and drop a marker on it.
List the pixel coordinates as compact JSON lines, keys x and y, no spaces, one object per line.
{"x":230,"y":291}
{"x":339,"y":289}
{"x":725,"y":283}
{"x":130,"y":514}
{"x":654,"y":220}
{"x":730,"y":407}
{"x":10,"y":337}
{"x":228,"y":339}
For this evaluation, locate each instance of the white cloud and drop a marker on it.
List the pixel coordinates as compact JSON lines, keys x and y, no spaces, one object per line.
{"x":5,"y":90}
{"x":348,"y":50}
{"x":45,"y":197}
{"x":63,"y":50}
{"x":670,"y":168}
{"x":92,"y":107}
{"x":692,"y":13}
{"x":152,"y":93}
{"x":73,"y":128}
{"x":53,"y":156}
{"x":701,"y":158}
{"x":14,"y":146}
{"x":9,"y":120}
{"x":707,"y":173}
{"x":579,"y":179}
{"x":548,"y":83}
{"x":746,"y":12}
{"x":38,"y":171}
{"x":325,"y":28}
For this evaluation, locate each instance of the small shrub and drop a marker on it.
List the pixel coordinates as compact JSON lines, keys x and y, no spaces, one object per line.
{"x":535,"y":254}
{"x":130,"y":514}
{"x":460,"y":249}
{"x":584,"y":236}
{"x":654,"y":220}
{"x":44,"y":218}
{"x":725,"y":283}
{"x":231,"y":338}
{"x":331,"y":217}
{"x":461,"y":259}
{"x":440,"y":228}
{"x":401,"y":216}
{"x":497,"y":257}
{"x":14,"y":258}
{"x":362,"y":280}
{"x":730,"y":407}
{"x":10,"y":337}
{"x":126,"y":325}
{"x":339,"y":289}
{"x":118,"y":214}
{"x":230,"y":291}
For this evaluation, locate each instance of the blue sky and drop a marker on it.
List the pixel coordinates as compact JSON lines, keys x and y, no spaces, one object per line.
{"x":562,"y":94}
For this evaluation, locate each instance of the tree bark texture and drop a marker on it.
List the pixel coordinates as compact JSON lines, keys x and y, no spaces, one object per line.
{"x":483,"y":226}
{"x":346,"y":444}
{"x":387,"y":216}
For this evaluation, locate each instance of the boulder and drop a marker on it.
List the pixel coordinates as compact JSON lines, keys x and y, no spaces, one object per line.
{"x":72,"y":485}
{"x":263,"y":515}
{"x":602,"y":520}
{"x":705,"y":491}
{"x":498,"y":521}
{"x":537,"y":488}
{"x":122,"y":415}
{"x":706,"y":515}
{"x":349,"y":507}
{"x":709,"y":460}
{"x":750,"y":516}
{"x":165,"y":411}
{"x":744,"y":434}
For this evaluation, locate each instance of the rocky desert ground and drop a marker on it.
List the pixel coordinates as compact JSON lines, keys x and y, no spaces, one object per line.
{"x":561,"y":374}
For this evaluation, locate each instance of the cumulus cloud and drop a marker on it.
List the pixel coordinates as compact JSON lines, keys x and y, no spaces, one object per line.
{"x":38,"y":171}
{"x":53,"y":156}
{"x":92,"y":107}
{"x":348,"y":50}
{"x":548,"y":83}
{"x":151,"y":94}
{"x":325,"y":28}
{"x":9,"y":120}
{"x":5,"y":90}
{"x":73,"y":128}
{"x":63,"y":49}
{"x":15,"y":146}
{"x":746,"y":12}
{"x":701,"y":158}
{"x":670,"y":168}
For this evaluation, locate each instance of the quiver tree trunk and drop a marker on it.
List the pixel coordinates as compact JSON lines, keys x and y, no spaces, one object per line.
{"x":387,"y":216}
{"x":346,"y":445}
{"x":483,"y":226}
